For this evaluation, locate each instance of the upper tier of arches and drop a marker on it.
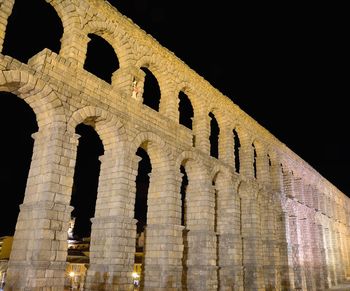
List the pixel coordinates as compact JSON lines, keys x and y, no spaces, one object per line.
{"x":137,"y":58}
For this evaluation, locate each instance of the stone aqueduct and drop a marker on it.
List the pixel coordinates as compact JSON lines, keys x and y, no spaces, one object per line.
{"x":275,"y":225}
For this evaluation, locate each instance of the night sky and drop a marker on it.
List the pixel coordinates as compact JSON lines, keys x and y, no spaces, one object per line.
{"x":284,"y":65}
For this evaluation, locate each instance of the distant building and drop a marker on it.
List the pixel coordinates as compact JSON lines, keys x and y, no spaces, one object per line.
{"x":139,"y":259}
{"x":78,"y":251}
{"x":5,"y":250}
{"x":75,"y":275}
{"x":78,"y":258}
{"x":5,"y":247}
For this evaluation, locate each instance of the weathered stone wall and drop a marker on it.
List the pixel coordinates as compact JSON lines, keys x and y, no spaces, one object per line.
{"x":278,"y":225}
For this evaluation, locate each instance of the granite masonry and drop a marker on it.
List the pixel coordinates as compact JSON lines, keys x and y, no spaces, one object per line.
{"x":257,"y":217}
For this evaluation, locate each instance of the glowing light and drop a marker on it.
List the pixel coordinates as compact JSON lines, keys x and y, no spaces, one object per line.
{"x":135,"y":275}
{"x":71,"y":274}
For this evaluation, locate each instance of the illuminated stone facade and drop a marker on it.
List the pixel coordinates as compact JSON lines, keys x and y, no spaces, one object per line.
{"x":275,"y":225}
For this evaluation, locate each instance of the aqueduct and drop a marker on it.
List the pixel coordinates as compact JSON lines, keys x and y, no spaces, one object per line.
{"x":256,"y":216}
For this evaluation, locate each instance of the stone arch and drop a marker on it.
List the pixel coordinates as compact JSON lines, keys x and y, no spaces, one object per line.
{"x":286,"y":164}
{"x":225,"y":141}
{"x":219,"y":115}
{"x":64,"y":13}
{"x":215,"y":172}
{"x":236,"y":163}
{"x":262,"y":161}
{"x":160,"y":156}
{"x":159,"y":74}
{"x":5,"y":15}
{"x":199,"y":225}
{"x":190,"y":155}
{"x":61,"y":9}
{"x":239,"y":129}
{"x":162,"y":217}
{"x":227,"y":227}
{"x":259,"y":146}
{"x":273,"y":156}
{"x":288,"y":179}
{"x":87,"y":177}
{"x":188,"y":89}
{"x":246,"y":153}
{"x":255,"y":155}
{"x":149,"y":63}
{"x":214,"y":135}
{"x":220,"y":170}
{"x":193,"y":99}
{"x":108,"y":127}
{"x":116,"y":39}
{"x":17,"y":43}
{"x":195,"y":169}
{"x":101,"y":59}
{"x":73,"y":39}
{"x":201,"y":121}
{"x":185,"y":109}
{"x":112,"y":133}
{"x":276,"y":171}
{"x":250,"y":195}
{"x":162,"y":150}
{"x":17,"y":145}
{"x":36,"y":93}
{"x":49,"y":143}
{"x":223,"y":187}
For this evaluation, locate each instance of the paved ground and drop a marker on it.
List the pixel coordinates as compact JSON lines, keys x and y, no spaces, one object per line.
{"x":341,"y":287}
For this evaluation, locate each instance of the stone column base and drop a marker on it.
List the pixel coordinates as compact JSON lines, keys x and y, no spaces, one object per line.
{"x":112,"y":252}
{"x":253,"y":278}
{"x":36,"y":276}
{"x":168,"y":279}
{"x":201,"y":278}
{"x":163,"y":257}
{"x":270,"y":278}
{"x":231,"y":278}
{"x":111,"y":277}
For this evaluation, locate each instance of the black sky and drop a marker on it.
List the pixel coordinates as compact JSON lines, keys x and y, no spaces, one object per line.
{"x":286,"y":65}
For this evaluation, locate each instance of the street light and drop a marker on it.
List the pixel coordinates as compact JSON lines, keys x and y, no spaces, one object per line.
{"x":136,"y":278}
{"x":71,"y":275}
{"x":135,"y":275}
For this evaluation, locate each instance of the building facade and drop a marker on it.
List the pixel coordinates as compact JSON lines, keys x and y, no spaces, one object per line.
{"x":256,"y":216}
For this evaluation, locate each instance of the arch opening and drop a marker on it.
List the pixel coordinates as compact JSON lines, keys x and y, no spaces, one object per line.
{"x":151,"y":90}
{"x":216,"y":190}
{"x":140,"y":214}
{"x":184,"y":184}
{"x":254,"y":160}
{"x":237,"y":145}
{"x":33,"y":33}
{"x":17,"y":150}
{"x":183,"y":192}
{"x":142,"y":186}
{"x":217,"y":221}
{"x":214,"y":136}
{"x":85,"y":181}
{"x":185,"y":110}
{"x":101,"y":59}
